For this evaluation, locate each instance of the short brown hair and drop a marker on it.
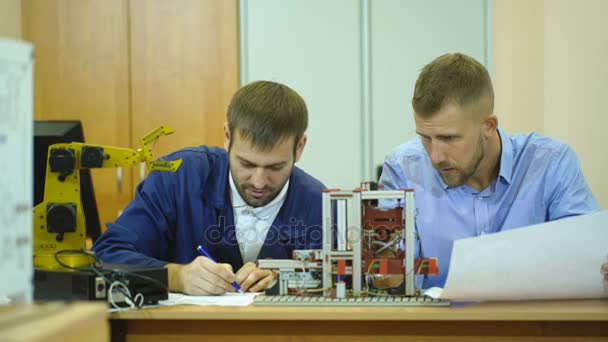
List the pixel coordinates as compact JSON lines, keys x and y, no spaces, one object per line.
{"x":453,"y":78}
{"x":265,"y":113}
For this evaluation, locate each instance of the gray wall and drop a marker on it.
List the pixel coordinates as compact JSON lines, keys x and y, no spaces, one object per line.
{"x":355,"y":63}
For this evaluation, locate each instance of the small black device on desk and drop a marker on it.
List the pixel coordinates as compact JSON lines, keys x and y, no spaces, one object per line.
{"x":140,"y":285}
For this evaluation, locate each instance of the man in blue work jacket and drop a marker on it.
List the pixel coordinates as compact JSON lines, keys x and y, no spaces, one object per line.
{"x":471,"y":177}
{"x":242,"y":203}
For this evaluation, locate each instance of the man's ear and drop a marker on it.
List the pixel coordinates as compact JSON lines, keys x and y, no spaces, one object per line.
{"x":300,"y":147}
{"x":226,"y":136}
{"x":490,"y":124}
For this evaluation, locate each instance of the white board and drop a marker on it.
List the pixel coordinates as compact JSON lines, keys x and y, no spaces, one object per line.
{"x":16,"y":106}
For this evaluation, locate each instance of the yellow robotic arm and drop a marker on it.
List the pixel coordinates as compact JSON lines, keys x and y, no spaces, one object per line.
{"x":59,"y":222}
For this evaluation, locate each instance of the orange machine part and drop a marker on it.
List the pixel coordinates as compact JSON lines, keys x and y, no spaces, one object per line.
{"x":341,"y":267}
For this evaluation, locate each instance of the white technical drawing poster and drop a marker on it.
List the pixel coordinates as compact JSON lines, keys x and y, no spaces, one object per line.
{"x":553,"y":260}
{"x":16,"y":194}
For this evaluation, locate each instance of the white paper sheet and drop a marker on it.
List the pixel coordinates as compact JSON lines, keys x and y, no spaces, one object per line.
{"x":16,"y":165}
{"x":554,"y":260}
{"x":228,"y":299}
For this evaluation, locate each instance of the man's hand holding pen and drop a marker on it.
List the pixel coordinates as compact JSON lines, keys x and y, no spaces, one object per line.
{"x":201,"y":277}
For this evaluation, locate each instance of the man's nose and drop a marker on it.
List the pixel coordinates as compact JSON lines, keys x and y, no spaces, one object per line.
{"x":258,"y":178}
{"x":436,"y":154}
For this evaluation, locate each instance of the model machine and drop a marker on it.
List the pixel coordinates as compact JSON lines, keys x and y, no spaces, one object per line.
{"x":368,"y":255}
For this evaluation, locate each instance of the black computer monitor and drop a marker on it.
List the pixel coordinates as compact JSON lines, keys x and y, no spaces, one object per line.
{"x":47,"y":133}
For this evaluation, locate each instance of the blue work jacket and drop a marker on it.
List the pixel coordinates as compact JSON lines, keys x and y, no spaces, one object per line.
{"x":173,"y":213}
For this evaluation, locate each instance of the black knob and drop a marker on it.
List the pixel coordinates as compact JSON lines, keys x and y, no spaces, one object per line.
{"x":92,"y":156}
{"x":373,"y":186}
{"x":62,"y":160}
{"x":61,"y":217}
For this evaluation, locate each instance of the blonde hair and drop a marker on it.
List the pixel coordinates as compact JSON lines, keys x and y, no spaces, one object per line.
{"x":453,"y":78}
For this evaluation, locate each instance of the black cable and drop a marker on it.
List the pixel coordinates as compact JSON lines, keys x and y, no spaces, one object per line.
{"x":144,"y":277}
{"x":95,"y":267}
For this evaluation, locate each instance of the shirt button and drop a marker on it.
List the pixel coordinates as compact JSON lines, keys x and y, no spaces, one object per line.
{"x":247,"y":212}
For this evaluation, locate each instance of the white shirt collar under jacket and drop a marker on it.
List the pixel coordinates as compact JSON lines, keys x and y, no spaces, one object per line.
{"x":252,"y":224}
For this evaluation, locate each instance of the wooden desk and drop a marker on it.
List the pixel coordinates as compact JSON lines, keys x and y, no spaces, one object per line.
{"x":79,"y":321}
{"x":539,"y":321}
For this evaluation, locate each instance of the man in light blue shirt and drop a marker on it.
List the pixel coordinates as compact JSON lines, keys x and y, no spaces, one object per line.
{"x":470,"y":177}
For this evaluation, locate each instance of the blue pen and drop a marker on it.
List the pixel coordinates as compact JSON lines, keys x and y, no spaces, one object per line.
{"x":203,"y":252}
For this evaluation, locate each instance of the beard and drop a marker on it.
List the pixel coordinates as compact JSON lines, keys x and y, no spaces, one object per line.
{"x":258,"y":197}
{"x":460,"y":175}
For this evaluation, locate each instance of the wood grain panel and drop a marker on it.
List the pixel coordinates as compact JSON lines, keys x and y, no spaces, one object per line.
{"x":574,"y":320}
{"x":81,"y":72}
{"x":557,"y":310}
{"x":184,"y":65}
{"x":76,"y":321}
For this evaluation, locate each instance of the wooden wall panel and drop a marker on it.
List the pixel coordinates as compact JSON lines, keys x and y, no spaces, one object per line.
{"x":184,"y":68}
{"x":81,"y":72}
{"x":123,"y":67}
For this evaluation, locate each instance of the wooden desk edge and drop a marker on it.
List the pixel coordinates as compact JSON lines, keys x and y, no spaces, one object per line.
{"x":579,"y":310}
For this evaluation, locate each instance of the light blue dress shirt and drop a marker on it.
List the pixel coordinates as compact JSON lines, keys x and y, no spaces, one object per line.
{"x":539,"y":180}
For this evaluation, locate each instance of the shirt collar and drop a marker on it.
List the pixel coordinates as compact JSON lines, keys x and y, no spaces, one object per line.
{"x":262,"y":213}
{"x":506,"y":156}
